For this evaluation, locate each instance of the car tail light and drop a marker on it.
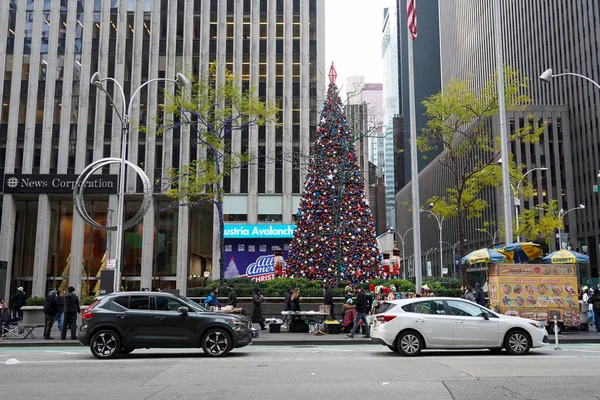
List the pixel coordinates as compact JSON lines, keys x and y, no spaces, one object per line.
{"x":87,"y":313}
{"x":385,"y":318}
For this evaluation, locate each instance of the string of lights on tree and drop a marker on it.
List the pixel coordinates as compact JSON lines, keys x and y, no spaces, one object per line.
{"x":334,"y":237}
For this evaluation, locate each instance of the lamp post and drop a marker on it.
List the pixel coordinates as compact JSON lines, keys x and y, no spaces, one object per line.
{"x":402,"y":237}
{"x":440,"y":221}
{"x":123,"y":115}
{"x":493,"y":237}
{"x":561,"y":215}
{"x":453,"y":246}
{"x":547,"y":76}
{"x":516,"y":199}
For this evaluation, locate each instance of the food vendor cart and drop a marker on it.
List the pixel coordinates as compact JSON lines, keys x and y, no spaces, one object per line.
{"x":534,"y":290}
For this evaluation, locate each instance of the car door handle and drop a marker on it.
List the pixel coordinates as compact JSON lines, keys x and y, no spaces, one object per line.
{"x":160,"y":318}
{"x":419,"y":320}
{"x":458,"y":322}
{"x":121,"y":316}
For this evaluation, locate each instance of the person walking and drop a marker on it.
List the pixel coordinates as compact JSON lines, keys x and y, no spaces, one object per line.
{"x":71,"y":309}
{"x":257,"y":317}
{"x":479,"y":295}
{"x":468,"y":295}
{"x":361,"y":314}
{"x":17,"y":302}
{"x":59,"y":310}
{"x":50,"y":313}
{"x":595,"y":301}
{"x":328,"y":301}
{"x":232,"y":300}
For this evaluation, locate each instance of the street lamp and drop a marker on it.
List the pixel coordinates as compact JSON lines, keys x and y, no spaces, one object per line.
{"x":123,"y":115}
{"x":493,"y":237}
{"x":561,"y":215}
{"x":547,"y":76}
{"x":402,"y":237}
{"x":440,"y":221}
{"x":516,"y":199}
{"x":453,"y":246}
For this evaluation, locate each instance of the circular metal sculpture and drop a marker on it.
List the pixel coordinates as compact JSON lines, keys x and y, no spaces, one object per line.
{"x":80,"y":184}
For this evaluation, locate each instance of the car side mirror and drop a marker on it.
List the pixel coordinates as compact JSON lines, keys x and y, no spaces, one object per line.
{"x":485,"y":316}
{"x":182,"y":310}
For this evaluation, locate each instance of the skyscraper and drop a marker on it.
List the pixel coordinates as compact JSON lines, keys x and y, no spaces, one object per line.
{"x":53,"y":123}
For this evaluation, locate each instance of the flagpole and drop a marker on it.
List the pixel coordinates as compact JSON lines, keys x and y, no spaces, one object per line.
{"x":503,"y":135}
{"x":414,"y":165}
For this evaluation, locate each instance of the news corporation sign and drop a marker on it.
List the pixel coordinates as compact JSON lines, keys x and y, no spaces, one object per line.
{"x":58,"y":184}
{"x":259,"y":231}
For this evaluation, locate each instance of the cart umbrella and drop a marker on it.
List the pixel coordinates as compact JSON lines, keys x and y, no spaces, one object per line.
{"x":565,"y":257}
{"x":522,"y":252}
{"x":483,"y":256}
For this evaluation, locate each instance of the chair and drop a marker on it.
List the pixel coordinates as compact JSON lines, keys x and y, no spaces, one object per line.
{"x":9,"y":329}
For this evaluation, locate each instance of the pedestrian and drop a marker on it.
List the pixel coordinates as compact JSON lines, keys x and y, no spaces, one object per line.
{"x":71,"y":309}
{"x":18,"y":301}
{"x":468,"y":294}
{"x":295,"y":299}
{"x":595,"y":301}
{"x":50,"y":313}
{"x":232,"y":300}
{"x":328,"y":301}
{"x":212,"y":299}
{"x":257,"y":317}
{"x":361,"y":314}
{"x":59,"y":310}
{"x":145,"y":289}
{"x":479,"y":295}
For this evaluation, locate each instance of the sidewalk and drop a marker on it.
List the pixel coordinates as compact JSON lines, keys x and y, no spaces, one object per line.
{"x":267,"y":338}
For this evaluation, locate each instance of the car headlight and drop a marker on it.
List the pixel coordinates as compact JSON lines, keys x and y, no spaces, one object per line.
{"x":234,"y":323}
{"x":536,"y":324}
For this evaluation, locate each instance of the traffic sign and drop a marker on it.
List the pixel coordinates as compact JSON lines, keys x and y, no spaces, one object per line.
{"x":596,"y":188}
{"x":111,"y":263}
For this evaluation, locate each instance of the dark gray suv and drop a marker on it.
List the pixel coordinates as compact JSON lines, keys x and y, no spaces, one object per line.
{"x":120,"y":322}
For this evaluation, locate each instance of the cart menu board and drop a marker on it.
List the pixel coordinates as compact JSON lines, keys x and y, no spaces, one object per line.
{"x":532,"y":291}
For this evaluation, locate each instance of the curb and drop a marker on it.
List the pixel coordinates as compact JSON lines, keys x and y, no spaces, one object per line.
{"x":308,"y":342}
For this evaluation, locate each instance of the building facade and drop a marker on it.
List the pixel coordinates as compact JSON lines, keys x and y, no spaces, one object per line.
{"x":538,"y":35}
{"x":53,"y":124}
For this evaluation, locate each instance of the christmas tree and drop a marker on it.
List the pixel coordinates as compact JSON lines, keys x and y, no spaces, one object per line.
{"x":335,"y":234}
{"x":231,"y":271}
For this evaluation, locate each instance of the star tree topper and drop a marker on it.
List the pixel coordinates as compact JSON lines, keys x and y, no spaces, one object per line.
{"x":332,"y":74}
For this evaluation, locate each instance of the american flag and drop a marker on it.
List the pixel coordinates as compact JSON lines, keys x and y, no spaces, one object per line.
{"x":411,"y":17}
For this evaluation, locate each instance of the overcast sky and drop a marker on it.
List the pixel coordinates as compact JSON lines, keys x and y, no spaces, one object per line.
{"x":353,"y":38}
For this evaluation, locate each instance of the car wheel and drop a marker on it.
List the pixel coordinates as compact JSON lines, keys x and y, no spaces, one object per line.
{"x":517,"y":342}
{"x":393,"y":348}
{"x":105,"y":344}
{"x":409,"y":344}
{"x":216,"y":343}
{"x":125,"y":351}
{"x":550,"y":328}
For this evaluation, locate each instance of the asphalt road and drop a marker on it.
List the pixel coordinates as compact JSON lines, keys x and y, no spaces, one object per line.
{"x":332,"y":372}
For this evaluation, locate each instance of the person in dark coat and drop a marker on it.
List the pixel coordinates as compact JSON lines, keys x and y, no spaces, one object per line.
{"x":232,"y":300}
{"x":361,"y":313}
{"x":328,"y":301}
{"x":50,"y":313}
{"x":257,"y":317}
{"x":479,"y":295}
{"x":71,"y":309}
{"x":17,"y":302}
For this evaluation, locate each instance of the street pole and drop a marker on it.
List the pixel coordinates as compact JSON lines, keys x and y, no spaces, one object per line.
{"x":414,"y":165}
{"x":441,"y":253}
{"x":503,"y":136}
{"x":97,"y":80}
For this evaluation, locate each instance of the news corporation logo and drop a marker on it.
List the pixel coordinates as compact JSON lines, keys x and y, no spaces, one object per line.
{"x":12,"y":182}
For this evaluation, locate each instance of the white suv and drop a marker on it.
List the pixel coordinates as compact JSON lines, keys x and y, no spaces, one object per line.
{"x":411,"y":325}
